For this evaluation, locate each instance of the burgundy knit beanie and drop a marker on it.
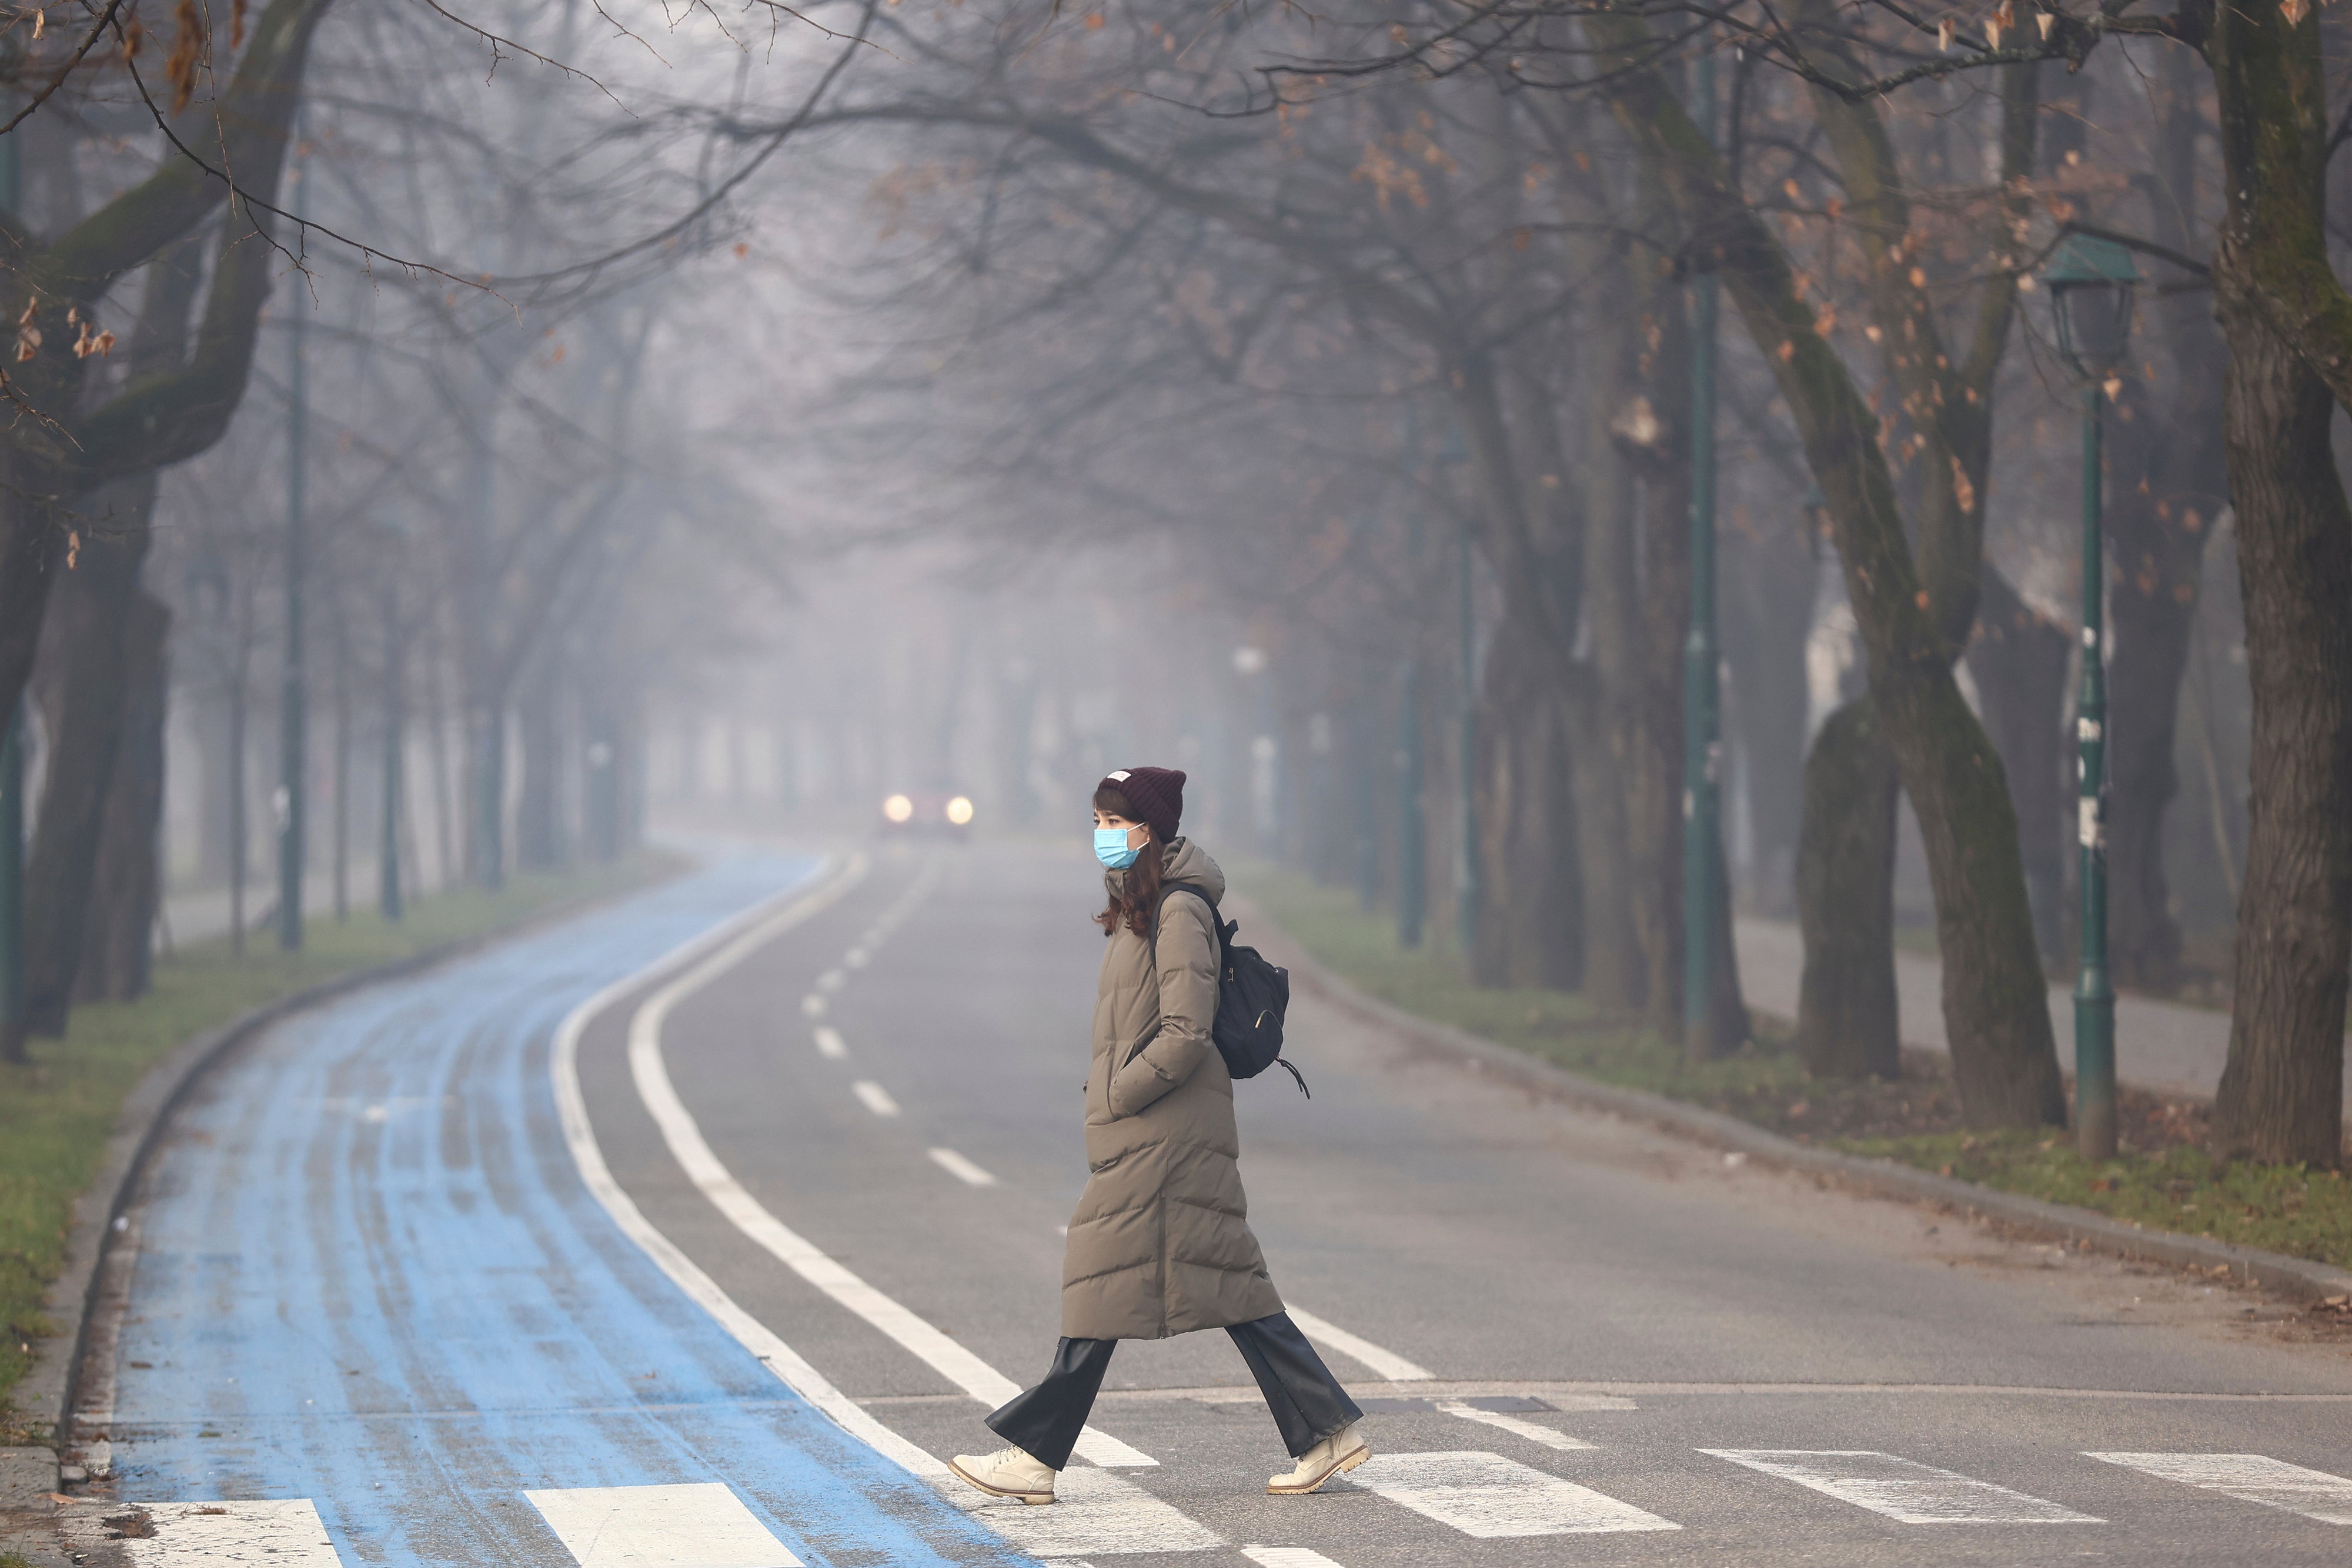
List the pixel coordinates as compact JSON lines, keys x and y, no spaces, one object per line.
{"x":1156,"y":793}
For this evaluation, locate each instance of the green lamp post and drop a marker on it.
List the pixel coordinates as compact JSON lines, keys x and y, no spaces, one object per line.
{"x":1702,"y":655}
{"x":2091,"y":283}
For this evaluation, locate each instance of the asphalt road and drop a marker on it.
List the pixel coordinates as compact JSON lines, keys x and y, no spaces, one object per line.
{"x":754,"y":1240}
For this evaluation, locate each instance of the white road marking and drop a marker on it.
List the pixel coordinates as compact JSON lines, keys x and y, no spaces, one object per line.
{"x":1902,"y":1488}
{"x":831,"y":980}
{"x":1287,"y":1557}
{"x":697,"y":1526}
{"x":588,"y":1158}
{"x":812,"y":1006}
{"x":1491,"y":1498}
{"x":287,"y":1532}
{"x":747,"y":1214}
{"x":1387,"y":1363}
{"x":1093,"y":1512}
{"x":830,"y":1045}
{"x":853,"y":959}
{"x":2250,"y":1478}
{"x":962,"y":1169}
{"x":875,"y":1098}
{"x":1549,"y":1437}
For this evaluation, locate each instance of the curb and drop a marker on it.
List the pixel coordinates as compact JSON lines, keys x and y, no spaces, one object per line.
{"x":2299,"y":1278}
{"x":46,"y":1392}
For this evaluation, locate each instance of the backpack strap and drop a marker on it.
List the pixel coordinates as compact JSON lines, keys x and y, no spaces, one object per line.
{"x":1216,"y":921}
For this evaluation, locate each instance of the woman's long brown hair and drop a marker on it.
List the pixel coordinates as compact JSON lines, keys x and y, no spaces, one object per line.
{"x":1138,"y":900}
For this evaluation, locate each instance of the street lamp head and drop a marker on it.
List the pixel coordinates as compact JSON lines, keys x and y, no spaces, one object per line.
{"x":2091,"y":283}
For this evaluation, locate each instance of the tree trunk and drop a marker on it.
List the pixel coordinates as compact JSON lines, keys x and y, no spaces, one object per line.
{"x":540,"y":838}
{"x":119,"y":934}
{"x":1848,"y":1025}
{"x":161,"y":418}
{"x":1532,"y":932}
{"x":2004,"y":1056}
{"x":93,"y":605}
{"x":1768,"y":603}
{"x":238,"y":852}
{"x":2020,"y":661}
{"x":2169,"y":479}
{"x":2282,"y":1093}
{"x":486,"y":793}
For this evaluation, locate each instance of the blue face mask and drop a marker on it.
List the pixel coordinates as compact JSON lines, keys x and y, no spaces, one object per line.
{"x":1110,"y":848}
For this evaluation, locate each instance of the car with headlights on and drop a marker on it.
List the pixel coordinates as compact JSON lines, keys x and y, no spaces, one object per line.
{"x":936,"y":813}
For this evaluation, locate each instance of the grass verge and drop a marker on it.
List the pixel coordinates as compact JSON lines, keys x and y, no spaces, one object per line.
{"x":56,"y":1110}
{"x":2163,"y":1178}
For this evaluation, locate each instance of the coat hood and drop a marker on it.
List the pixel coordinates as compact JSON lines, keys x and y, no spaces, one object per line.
{"x":1185,"y":865}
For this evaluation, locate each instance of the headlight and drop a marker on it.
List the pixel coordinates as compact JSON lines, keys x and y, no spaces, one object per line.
{"x":897,"y":808}
{"x":960,"y":810}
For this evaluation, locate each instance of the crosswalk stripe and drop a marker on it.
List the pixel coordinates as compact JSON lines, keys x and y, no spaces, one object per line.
{"x":1902,"y":1488}
{"x":286,"y":1533}
{"x":1386,"y":1363}
{"x":962,"y":1169}
{"x":1490,"y":1496}
{"x":1287,"y":1557}
{"x":2250,"y":1478}
{"x":1095,"y":1513}
{"x":698,"y":1525}
{"x":1549,"y":1437}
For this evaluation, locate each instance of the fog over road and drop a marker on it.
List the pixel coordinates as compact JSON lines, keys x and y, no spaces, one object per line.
{"x":487,"y":1272}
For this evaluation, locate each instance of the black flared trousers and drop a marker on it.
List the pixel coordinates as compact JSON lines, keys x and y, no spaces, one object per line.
{"x":1308,"y":1402}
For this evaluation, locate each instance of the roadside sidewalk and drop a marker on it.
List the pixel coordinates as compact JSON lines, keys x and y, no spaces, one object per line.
{"x":2161,"y":1046}
{"x":199,"y":915}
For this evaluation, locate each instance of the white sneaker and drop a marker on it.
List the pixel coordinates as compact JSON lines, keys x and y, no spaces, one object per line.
{"x":1008,"y":1472}
{"x":1342,"y":1451}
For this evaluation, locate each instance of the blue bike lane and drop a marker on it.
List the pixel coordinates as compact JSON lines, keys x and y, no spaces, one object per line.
{"x":368,"y":1276}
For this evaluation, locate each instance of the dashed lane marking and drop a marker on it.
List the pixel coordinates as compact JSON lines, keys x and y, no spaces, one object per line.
{"x":853,"y":959}
{"x":1902,"y":1490}
{"x":747,"y":1214}
{"x":830,"y":1045}
{"x":704,"y":1525}
{"x":286,"y":1533}
{"x":1492,"y":1498}
{"x":831,"y":980}
{"x":962,"y":1169}
{"x":2250,"y":1478}
{"x":1549,"y":1437}
{"x":874,"y":1097}
{"x":1386,"y":1363}
{"x":812,"y":1006}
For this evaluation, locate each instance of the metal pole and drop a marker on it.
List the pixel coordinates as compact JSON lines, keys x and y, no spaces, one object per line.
{"x":1468,"y":886}
{"x":12,"y":885}
{"x":2094,"y":998}
{"x":389,"y":903}
{"x":1413,"y":853}
{"x":291,"y":715}
{"x":12,"y":771}
{"x":1702,"y":803}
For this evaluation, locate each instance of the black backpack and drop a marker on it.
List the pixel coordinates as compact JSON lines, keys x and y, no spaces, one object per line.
{"x":1252,"y":995}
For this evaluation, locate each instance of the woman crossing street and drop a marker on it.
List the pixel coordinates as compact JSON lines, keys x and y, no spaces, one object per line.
{"x":1159,"y":1243}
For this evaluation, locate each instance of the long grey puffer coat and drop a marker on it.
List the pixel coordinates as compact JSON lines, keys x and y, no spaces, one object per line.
{"x":1161,"y":1241}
